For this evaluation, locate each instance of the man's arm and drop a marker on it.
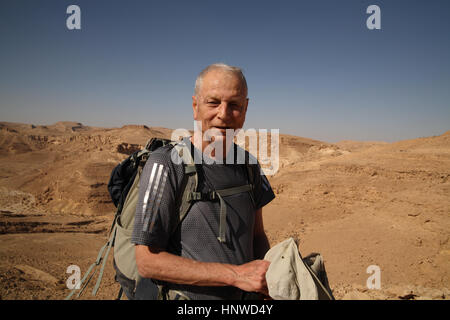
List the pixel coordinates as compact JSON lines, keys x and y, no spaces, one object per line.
{"x":260,"y":242}
{"x":161,"y":265}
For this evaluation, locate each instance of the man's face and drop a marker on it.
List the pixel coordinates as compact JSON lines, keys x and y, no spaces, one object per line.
{"x":221,"y":103}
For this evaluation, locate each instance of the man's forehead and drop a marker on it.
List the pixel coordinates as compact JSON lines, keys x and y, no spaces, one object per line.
{"x":219,"y":92}
{"x":219,"y":82}
{"x":219,"y":96}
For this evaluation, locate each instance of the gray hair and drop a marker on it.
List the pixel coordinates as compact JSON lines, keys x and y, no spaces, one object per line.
{"x":224,"y":67}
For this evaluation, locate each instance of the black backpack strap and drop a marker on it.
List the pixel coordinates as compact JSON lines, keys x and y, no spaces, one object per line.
{"x":252,"y":172}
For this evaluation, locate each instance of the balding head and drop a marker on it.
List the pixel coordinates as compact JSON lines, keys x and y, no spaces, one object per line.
{"x":221,"y":67}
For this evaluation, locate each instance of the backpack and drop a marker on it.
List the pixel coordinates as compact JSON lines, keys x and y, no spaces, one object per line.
{"x":123,"y":187}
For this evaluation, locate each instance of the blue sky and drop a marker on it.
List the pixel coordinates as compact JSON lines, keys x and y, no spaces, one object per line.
{"x":313,"y":67}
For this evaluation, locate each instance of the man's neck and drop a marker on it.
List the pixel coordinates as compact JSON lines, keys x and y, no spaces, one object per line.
{"x":201,"y":145}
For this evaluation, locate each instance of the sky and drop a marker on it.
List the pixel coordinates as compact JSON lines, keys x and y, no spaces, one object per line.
{"x":313,"y":67}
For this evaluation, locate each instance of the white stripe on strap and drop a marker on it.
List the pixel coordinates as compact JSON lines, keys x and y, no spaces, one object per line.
{"x":154,"y":191}
{"x":147,"y":191}
{"x":158,"y":199}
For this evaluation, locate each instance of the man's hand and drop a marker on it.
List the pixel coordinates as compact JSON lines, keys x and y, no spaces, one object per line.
{"x":160,"y":265}
{"x":251,"y":276}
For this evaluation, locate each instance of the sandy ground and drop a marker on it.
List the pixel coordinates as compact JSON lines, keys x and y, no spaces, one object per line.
{"x":357,"y":203}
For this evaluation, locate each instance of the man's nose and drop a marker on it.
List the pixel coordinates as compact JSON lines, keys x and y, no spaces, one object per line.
{"x":224,"y":111}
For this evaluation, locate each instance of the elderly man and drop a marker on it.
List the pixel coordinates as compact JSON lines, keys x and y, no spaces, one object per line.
{"x":193,"y":262}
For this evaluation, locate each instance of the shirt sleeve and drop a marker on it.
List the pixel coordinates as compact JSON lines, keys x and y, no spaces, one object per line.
{"x":263,"y":191}
{"x":155,"y":210}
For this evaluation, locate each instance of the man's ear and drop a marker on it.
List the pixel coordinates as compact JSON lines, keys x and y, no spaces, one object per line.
{"x":194,"y":107}
{"x":246,"y":105}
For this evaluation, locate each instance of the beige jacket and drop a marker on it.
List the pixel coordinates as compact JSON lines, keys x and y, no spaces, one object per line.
{"x":290,"y":277}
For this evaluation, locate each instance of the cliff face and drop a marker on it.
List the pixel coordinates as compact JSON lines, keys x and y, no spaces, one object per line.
{"x":64,"y":167}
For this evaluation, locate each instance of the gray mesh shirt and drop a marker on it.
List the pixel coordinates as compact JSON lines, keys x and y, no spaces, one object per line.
{"x":196,"y":237}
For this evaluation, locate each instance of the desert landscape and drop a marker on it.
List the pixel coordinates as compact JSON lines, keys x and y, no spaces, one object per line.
{"x":357,"y":203}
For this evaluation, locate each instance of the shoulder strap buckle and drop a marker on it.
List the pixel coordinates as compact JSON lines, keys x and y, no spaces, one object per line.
{"x":198,"y":196}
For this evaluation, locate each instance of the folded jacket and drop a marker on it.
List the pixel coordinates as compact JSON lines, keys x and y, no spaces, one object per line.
{"x":290,"y":278}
